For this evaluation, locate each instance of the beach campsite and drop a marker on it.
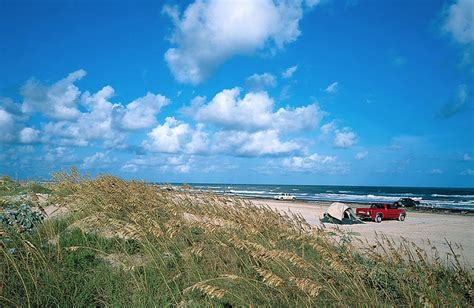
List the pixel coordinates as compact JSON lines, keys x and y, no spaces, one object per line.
{"x":244,"y":153}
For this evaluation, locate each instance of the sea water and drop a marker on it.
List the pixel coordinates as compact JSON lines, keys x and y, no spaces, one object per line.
{"x":442,"y":198}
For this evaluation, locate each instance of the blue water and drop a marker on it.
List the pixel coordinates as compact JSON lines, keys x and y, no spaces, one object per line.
{"x":442,"y":198}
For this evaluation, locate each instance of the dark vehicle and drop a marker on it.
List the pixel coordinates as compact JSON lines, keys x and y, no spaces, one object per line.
{"x":407,"y":202}
{"x":379,"y":211}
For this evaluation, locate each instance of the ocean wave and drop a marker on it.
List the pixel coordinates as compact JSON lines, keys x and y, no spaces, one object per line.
{"x":253,"y":192}
{"x":452,"y":196}
{"x":354,"y":198}
{"x":456,"y":205}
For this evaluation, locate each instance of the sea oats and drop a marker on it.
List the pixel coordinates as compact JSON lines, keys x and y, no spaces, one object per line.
{"x":269,"y":278}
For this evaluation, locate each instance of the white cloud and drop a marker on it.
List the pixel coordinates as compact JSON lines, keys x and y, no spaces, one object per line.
{"x":61,"y":155}
{"x":163,"y":164}
{"x":141,"y":113}
{"x":199,"y":142}
{"x":314,"y":162}
{"x":7,"y":125}
{"x":13,"y":130}
{"x":169,"y":137}
{"x":260,"y":143}
{"x":57,"y":102}
{"x":81,"y":119}
{"x":328,"y":128}
{"x":459,"y":21}
{"x":209,"y":32}
{"x":361,"y":155}
{"x":260,"y":82}
{"x":332,"y":88}
{"x":457,"y":104}
{"x":254,"y":112}
{"x":96,"y":124}
{"x":288,"y":73}
{"x":435,"y":171}
{"x":466,"y":157}
{"x":344,"y":139}
{"x":29,"y":135}
{"x":467,"y":172}
{"x":98,"y":160}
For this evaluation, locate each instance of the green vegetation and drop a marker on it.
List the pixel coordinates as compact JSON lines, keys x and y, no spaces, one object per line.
{"x":8,"y":187}
{"x":130,"y":244}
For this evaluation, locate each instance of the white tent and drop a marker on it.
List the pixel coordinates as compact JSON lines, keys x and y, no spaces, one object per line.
{"x":339,"y":211}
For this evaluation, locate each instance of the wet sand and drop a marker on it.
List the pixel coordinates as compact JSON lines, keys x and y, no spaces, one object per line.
{"x":419,"y":227}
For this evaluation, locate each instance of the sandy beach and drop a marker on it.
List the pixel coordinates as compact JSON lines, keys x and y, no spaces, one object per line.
{"x":420,"y":228}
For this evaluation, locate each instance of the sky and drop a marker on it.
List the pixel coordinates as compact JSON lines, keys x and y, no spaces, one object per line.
{"x":322,"y":92}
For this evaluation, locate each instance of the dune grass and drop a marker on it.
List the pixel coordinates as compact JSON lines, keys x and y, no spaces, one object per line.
{"x":126,"y":243}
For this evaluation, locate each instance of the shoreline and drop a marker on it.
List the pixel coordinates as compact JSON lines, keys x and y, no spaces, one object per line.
{"x":425,"y":229}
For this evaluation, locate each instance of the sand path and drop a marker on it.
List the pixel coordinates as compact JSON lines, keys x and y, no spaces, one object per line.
{"x":418,"y":227}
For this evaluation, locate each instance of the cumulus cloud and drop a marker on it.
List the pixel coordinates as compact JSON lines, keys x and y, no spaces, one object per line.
{"x":466,"y":157}
{"x":13,"y":130}
{"x":169,"y":137}
{"x":80,"y":118}
{"x":178,"y":137}
{"x":210,"y":32}
{"x":314,"y":162}
{"x":175,"y":164}
{"x":344,"y":139}
{"x":254,"y":112}
{"x":199,"y":142}
{"x":141,"y":113}
{"x":7,"y":125}
{"x":459,"y":21}
{"x":457,"y":104}
{"x":29,"y":135}
{"x":332,"y":88}
{"x":435,"y":171}
{"x":361,"y":155}
{"x":288,"y":73}
{"x":58,"y":101}
{"x":260,"y":143}
{"x":260,"y":82}
{"x":328,"y":128}
{"x":95,"y":124}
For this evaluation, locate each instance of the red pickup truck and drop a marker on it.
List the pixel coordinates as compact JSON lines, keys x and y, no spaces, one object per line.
{"x":379,"y":211}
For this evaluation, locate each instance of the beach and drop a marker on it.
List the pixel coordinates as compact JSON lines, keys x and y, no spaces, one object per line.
{"x":425,"y":229}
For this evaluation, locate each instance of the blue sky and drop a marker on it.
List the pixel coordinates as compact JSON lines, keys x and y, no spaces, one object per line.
{"x":298,"y":92}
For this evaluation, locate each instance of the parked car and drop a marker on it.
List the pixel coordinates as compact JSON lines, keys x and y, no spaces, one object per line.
{"x":407,"y":202}
{"x":284,"y":196}
{"x":380,"y":211}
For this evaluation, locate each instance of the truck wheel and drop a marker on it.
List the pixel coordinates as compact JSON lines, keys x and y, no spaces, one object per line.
{"x":378,"y":218}
{"x":401,"y":217}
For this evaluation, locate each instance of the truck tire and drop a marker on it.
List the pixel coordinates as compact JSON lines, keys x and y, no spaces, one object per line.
{"x":401,"y":217}
{"x":378,"y":218}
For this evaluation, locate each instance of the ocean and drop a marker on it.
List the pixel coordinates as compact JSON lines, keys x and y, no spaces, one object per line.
{"x":441,"y":198}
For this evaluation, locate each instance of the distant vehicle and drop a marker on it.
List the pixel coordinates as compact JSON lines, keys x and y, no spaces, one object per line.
{"x":380,"y":211}
{"x":284,"y":196}
{"x":407,"y":202}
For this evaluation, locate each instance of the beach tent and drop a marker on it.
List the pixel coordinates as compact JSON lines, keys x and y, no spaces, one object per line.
{"x":340,"y":213}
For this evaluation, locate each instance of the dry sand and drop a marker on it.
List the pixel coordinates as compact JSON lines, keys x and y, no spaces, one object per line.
{"x":418,"y":227}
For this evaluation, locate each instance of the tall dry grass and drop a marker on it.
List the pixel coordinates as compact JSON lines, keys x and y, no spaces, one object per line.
{"x":128,"y":243}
